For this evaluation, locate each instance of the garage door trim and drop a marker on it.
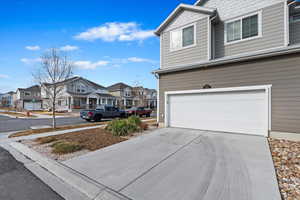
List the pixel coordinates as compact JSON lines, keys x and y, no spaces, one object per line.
{"x":266,"y":88}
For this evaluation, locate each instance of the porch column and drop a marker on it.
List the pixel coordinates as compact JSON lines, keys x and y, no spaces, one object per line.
{"x":125,"y":103}
{"x":97,"y":102}
{"x":87,"y":102}
{"x":106,"y":102}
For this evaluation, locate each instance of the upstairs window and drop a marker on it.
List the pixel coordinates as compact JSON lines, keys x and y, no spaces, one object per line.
{"x":182,"y":38}
{"x":295,"y":18}
{"x":244,"y":28}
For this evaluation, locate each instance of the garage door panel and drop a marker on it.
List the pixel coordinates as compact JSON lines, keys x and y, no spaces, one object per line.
{"x":241,"y":112}
{"x":32,"y":105}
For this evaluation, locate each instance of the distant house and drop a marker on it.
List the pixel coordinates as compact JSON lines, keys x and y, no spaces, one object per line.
{"x":78,"y":93}
{"x":128,"y":96}
{"x":7,"y":99}
{"x":29,"y":98}
{"x":123,"y":94}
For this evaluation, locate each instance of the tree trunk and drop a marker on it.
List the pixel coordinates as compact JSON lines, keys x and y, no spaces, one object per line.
{"x":53,"y":115}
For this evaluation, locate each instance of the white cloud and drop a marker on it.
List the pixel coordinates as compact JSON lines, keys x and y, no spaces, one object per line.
{"x":89,"y":64}
{"x":29,"y":61}
{"x":33,"y":48}
{"x":139,"y":60}
{"x":4,"y":76}
{"x":116,"y":31}
{"x":69,"y":48}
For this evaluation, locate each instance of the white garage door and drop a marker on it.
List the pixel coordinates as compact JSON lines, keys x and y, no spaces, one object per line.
{"x":236,"y":110}
{"x":32,"y":106}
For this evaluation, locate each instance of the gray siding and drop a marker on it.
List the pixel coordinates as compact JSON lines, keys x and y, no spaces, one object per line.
{"x":295,"y":32}
{"x":283,"y":72}
{"x":272,"y":34}
{"x":188,"y":55}
{"x":232,"y":8}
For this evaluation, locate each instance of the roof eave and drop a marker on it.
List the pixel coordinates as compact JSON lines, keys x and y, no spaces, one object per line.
{"x":208,"y":11}
{"x":234,"y":59}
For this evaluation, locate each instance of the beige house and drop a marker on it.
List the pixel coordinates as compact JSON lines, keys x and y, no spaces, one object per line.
{"x":79,"y":93}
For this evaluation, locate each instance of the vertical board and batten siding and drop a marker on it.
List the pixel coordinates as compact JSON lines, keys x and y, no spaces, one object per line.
{"x":272,"y":34}
{"x":295,"y":32}
{"x":283,"y":72}
{"x":188,"y":55}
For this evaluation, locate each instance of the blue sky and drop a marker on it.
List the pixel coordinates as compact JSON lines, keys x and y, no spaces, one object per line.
{"x":109,"y":41}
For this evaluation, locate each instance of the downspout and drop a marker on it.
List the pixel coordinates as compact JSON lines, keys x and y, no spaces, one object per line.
{"x":211,"y":47}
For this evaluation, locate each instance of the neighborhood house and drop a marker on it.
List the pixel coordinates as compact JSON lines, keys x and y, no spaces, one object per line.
{"x":231,"y":66}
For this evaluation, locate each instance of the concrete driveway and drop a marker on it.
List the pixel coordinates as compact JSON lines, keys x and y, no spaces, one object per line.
{"x":176,"y":164}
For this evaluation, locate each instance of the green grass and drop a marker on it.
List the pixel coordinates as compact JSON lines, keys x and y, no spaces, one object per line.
{"x":62,"y":147}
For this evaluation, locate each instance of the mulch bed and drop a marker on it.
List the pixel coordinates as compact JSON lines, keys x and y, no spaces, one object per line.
{"x":92,"y":139}
{"x":286,"y":158}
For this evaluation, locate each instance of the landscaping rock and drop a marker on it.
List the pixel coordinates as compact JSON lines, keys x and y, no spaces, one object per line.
{"x":286,"y":158}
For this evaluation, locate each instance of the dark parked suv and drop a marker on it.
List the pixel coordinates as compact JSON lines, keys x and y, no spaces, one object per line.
{"x":102,"y":112}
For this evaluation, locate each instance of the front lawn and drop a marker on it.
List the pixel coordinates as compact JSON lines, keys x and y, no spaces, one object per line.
{"x":66,"y":146}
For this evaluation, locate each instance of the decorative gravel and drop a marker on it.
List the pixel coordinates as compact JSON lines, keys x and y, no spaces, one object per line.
{"x":286,"y":157}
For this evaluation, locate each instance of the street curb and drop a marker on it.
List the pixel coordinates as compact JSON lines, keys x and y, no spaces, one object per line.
{"x":83,"y":184}
{"x":80,"y":183}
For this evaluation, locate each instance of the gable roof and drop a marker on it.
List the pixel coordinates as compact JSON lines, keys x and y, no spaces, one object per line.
{"x":31,"y":88}
{"x":181,"y":7}
{"x":75,"y":78}
{"x":118,"y":86}
{"x":198,"y":2}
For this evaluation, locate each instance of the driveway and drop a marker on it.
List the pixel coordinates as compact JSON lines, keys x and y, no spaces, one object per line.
{"x":18,"y":183}
{"x":176,"y":164}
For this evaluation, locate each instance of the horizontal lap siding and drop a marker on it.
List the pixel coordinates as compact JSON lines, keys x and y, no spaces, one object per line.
{"x":189,"y":55}
{"x":283,"y":72}
{"x":272,"y":34}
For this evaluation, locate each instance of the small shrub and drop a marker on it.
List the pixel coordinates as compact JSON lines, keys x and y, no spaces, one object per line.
{"x":62,"y":147}
{"x":118,"y":127}
{"x":123,"y":127}
{"x":45,"y":140}
{"x":134,"y":120}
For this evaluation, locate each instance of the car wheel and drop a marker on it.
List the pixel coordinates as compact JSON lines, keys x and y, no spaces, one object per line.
{"x":98,"y":119}
{"x":88,"y":120}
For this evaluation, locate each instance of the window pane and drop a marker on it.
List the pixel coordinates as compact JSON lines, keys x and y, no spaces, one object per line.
{"x":250,"y":26}
{"x":233,"y":31}
{"x":188,"y":36}
{"x":175,"y":39}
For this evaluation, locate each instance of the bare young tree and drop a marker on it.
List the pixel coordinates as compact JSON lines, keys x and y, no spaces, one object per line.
{"x":54,"y":69}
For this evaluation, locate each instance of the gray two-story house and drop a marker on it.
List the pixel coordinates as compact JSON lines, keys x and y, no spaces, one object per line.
{"x":231,"y":66}
{"x":29,"y":98}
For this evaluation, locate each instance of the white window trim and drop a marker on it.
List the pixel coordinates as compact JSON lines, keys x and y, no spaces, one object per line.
{"x":259,"y":14}
{"x":181,"y":31}
{"x":292,"y":19}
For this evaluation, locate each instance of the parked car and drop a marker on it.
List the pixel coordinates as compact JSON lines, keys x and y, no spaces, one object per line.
{"x":102,"y":112}
{"x":139,"y":111}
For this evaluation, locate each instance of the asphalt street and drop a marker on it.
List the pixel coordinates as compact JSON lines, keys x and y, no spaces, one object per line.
{"x":11,"y":124}
{"x":18,"y":183}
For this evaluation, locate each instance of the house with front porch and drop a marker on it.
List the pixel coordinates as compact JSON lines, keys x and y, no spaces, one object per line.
{"x":79,"y":93}
{"x":124,"y":94}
